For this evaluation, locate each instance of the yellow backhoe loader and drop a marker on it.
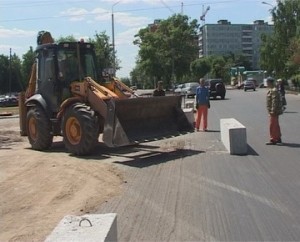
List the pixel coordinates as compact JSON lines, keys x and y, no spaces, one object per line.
{"x":64,"y":98}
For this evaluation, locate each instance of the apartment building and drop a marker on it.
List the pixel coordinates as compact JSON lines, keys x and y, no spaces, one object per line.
{"x":223,"y":38}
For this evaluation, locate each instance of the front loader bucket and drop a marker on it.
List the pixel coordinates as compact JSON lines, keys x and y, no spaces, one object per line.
{"x":144,"y":119}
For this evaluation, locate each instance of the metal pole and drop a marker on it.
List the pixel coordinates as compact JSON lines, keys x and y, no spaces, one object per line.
{"x":113,"y":43}
{"x":9,"y":72}
{"x":268,"y":4}
{"x":113,"y":36}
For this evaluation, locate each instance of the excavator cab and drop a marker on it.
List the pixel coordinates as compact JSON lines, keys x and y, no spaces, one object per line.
{"x":69,"y":101}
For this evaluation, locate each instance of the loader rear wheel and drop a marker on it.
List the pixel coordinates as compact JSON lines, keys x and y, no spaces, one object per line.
{"x":38,"y":129}
{"x":80,"y":130}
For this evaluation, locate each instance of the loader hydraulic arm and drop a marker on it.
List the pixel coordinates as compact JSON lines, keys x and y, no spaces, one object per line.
{"x":119,"y":88}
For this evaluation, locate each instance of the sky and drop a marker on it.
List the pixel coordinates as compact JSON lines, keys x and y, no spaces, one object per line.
{"x":21,"y":20}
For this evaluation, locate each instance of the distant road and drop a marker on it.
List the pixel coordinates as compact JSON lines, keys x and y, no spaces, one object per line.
{"x":189,"y":188}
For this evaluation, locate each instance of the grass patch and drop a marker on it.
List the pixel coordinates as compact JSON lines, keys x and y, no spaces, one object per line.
{"x":13,"y":110}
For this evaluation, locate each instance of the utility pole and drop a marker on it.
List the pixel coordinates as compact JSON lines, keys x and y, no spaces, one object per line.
{"x":181,"y":8}
{"x":113,"y":37}
{"x":9,"y":72}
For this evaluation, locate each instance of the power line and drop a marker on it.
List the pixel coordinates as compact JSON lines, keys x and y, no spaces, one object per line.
{"x":166,"y":6}
{"x":34,"y":3}
{"x":121,"y":11}
{"x":40,"y":3}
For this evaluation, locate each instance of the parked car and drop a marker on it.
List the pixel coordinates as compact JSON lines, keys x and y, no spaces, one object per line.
{"x":8,"y":101}
{"x":216,"y":88}
{"x":189,"y":89}
{"x":178,"y":89}
{"x":253,"y":80}
{"x":249,"y":85}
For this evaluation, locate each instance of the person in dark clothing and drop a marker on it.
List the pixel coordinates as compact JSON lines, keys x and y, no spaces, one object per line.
{"x":159,"y":90}
{"x":281,"y":90}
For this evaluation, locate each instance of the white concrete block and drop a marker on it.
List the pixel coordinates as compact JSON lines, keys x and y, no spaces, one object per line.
{"x":233,"y":136}
{"x":189,"y":104}
{"x":189,"y":113}
{"x":87,"y":228}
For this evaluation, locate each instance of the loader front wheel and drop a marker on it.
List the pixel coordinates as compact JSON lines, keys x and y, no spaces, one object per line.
{"x":38,"y":129}
{"x":80,"y":130}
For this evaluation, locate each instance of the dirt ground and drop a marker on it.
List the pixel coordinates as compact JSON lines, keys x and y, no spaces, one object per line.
{"x":39,"y":188}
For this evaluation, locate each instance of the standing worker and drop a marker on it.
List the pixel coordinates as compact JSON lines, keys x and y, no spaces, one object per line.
{"x":274,"y":108}
{"x":202,"y":104}
{"x":159,"y":90}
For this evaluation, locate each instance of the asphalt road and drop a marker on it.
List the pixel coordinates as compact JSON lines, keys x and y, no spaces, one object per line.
{"x":189,"y":188}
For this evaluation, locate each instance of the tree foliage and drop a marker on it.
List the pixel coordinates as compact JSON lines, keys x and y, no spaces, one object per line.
{"x":10,"y":74}
{"x":103,"y":51}
{"x":69,"y":38}
{"x":167,"y":49}
{"x":28,"y":60}
{"x":200,"y":67}
{"x":277,"y":55}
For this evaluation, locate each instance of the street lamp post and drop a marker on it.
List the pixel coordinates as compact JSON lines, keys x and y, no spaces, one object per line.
{"x":113,"y":36}
{"x":268,"y":4}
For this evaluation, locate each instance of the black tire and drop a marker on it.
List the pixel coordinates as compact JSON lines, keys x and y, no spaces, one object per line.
{"x":80,"y":129}
{"x":222,"y":97}
{"x":38,"y":127}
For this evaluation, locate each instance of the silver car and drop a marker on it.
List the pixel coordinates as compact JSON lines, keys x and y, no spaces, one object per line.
{"x":188,"y":89}
{"x":249,"y":85}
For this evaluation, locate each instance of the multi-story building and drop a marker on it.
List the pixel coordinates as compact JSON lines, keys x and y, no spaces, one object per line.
{"x":223,"y":38}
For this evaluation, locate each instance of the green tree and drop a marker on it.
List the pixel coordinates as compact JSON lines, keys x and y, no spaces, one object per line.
{"x":275,"y":54}
{"x":234,"y":60}
{"x":28,"y":60}
{"x":218,"y":65}
{"x":200,"y":67}
{"x":16,"y":74}
{"x":4,"y":73}
{"x":104,"y":52}
{"x":69,"y":38}
{"x":139,"y":78}
{"x":10,"y":74}
{"x":168,"y":48}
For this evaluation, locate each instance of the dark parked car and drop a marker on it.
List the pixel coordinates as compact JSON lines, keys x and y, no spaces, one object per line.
{"x":8,"y":101}
{"x":216,"y":88}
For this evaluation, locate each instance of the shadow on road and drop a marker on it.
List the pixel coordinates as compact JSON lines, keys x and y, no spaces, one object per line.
{"x":213,"y":131}
{"x":251,"y":151}
{"x":140,"y":155}
{"x":292,"y":145}
{"x":156,"y":157}
{"x":289,"y":112}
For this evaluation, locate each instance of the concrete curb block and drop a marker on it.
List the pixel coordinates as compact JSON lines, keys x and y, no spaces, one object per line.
{"x":233,"y":136}
{"x":88,"y":228}
{"x":189,"y":113}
